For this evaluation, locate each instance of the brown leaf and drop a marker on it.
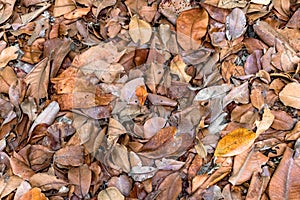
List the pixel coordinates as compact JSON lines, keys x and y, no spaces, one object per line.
{"x":6,"y":10}
{"x":282,"y":121}
{"x":178,"y":67}
{"x":8,"y":184}
{"x":33,"y":194}
{"x":245,"y":165}
{"x":7,"y":78}
{"x":81,"y":177}
{"x":170,"y":187}
{"x":153,"y":125}
{"x":290,"y":95}
{"x":235,"y":142}
{"x":284,"y":183}
{"x":62,"y":7}
{"x":69,"y":156}
{"x":21,"y":169}
{"x":38,"y":80}
{"x":46,"y":182}
{"x":123,"y":183}
{"x":191,"y":26}
{"x":235,"y":24}
{"x":295,"y":133}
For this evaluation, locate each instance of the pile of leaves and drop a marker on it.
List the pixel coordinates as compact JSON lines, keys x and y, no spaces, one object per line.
{"x":144,"y":99}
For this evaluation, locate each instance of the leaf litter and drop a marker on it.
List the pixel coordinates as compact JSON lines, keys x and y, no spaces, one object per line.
{"x":143,"y":99}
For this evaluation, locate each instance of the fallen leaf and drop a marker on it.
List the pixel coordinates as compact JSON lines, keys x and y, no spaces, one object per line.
{"x":22,"y":189}
{"x":139,"y":30}
{"x":284,"y":183}
{"x":142,"y":94}
{"x":46,"y":182}
{"x":245,"y":165}
{"x":141,"y":173}
{"x":6,"y":10}
{"x":111,"y":193}
{"x":8,"y":54}
{"x":69,"y":156}
{"x":38,"y":80}
{"x":33,"y":194}
{"x":290,"y":95}
{"x":81,"y":177}
{"x":191,"y":26}
{"x":282,"y":121}
{"x":178,"y":67}
{"x":235,"y":142}
{"x":7,"y":78}
{"x":8,"y":184}
{"x":232,"y":4}
{"x":235,"y":24}
{"x":212,"y":92}
{"x":265,"y":123}
{"x":62,"y":7}
{"x":123,"y":183}
{"x":153,"y":125}
{"x":170,"y":187}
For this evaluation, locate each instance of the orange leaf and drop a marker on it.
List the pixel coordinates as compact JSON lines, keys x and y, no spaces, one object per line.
{"x":141,"y":93}
{"x":34,"y":194}
{"x":235,"y":142}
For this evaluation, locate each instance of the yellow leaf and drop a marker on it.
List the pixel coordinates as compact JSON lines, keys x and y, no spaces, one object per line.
{"x":235,"y":142}
{"x":139,"y":30}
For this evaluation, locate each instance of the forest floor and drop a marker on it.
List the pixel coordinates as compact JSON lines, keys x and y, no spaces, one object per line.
{"x":145,"y":99}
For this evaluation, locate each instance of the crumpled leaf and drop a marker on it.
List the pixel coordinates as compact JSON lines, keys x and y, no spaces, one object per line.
{"x":177,"y":67}
{"x":141,"y":94}
{"x":235,"y":24}
{"x":139,"y":30}
{"x":8,"y":54}
{"x":290,"y":95}
{"x":235,"y":142}
{"x":111,"y":193}
{"x":284,"y":183}
{"x":191,"y":26}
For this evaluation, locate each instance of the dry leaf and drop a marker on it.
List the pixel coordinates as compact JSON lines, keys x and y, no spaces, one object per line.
{"x":62,"y":7}
{"x":235,"y":142}
{"x":290,"y":95}
{"x":191,"y":26}
{"x":141,"y":173}
{"x":111,"y":193}
{"x":8,"y":184}
{"x":6,"y":10}
{"x":69,"y":156}
{"x":139,"y":30}
{"x":232,"y":3}
{"x":170,"y":187}
{"x":8,"y":54}
{"x":38,"y":80}
{"x":7,"y":78}
{"x":153,"y":125}
{"x":46,"y":182}
{"x":142,"y":94}
{"x":34,"y":194}
{"x":235,"y":24}
{"x":178,"y":67}
{"x":265,"y":123}
{"x":284,"y":183}
{"x":245,"y":165}
{"x":81,"y":177}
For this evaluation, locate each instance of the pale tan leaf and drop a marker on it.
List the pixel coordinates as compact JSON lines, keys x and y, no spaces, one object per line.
{"x":235,"y":24}
{"x":81,"y":177}
{"x":139,"y":30}
{"x":10,"y":184}
{"x":111,"y":193}
{"x":7,"y":10}
{"x":265,"y":123}
{"x":38,"y":80}
{"x":46,"y":182}
{"x":8,"y":54}
{"x":178,"y":67}
{"x":290,"y":95}
{"x":62,"y":7}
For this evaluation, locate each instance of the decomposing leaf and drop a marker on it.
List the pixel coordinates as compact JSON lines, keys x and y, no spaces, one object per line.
{"x":235,"y":142}
{"x":8,"y":54}
{"x":282,"y":121}
{"x":139,"y":30}
{"x":191,"y":26}
{"x":284,"y":183}
{"x":290,"y":95}
{"x":235,"y":24}
{"x":111,"y":193}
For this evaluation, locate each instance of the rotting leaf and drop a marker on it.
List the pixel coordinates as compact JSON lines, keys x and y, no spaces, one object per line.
{"x":191,"y":26}
{"x":153,"y":125}
{"x":235,"y":24}
{"x":235,"y":142}
{"x":139,"y":30}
